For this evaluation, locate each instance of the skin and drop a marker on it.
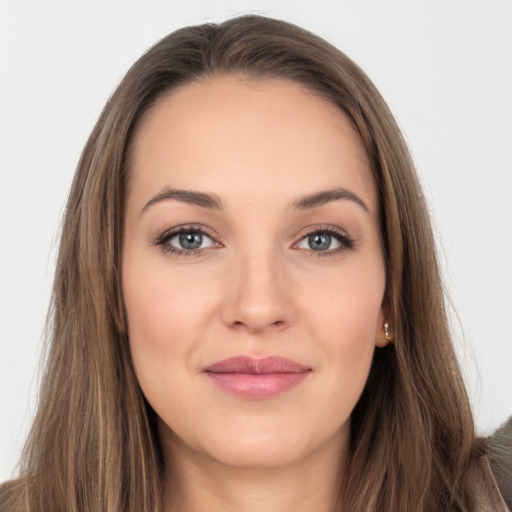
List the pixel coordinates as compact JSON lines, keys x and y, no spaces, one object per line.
{"x":255,"y":288}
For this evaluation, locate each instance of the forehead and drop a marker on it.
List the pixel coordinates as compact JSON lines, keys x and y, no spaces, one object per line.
{"x":272,"y":134}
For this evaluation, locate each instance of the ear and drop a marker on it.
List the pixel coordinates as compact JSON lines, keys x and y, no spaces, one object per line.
{"x":385,"y":317}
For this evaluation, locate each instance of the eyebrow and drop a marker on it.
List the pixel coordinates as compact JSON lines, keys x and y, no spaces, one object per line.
{"x":213,"y":201}
{"x":202,"y":199}
{"x":320,"y":198}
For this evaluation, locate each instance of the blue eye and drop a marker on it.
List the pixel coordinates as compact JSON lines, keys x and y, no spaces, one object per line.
{"x":325,"y":241}
{"x":189,"y":240}
{"x":185,"y":241}
{"x":320,"y":242}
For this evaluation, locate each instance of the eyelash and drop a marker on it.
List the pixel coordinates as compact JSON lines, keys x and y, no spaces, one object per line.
{"x":346,"y":242}
{"x":162,"y":241}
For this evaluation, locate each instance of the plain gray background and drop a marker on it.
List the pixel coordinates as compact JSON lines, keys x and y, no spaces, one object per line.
{"x":444,"y":66}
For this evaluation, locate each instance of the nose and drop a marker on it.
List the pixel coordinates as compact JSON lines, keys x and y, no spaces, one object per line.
{"x":259,"y":295}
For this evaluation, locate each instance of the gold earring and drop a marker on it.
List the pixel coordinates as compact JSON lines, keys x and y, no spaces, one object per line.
{"x":386,"y":332}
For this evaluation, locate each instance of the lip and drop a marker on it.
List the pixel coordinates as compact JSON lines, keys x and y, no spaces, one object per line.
{"x":256,"y":378}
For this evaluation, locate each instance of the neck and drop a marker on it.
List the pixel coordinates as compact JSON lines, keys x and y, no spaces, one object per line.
{"x":196,"y":482}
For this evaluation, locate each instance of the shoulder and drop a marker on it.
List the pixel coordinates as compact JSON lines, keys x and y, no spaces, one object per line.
{"x":500,"y":460}
{"x":491,"y":474}
{"x":488,"y":497}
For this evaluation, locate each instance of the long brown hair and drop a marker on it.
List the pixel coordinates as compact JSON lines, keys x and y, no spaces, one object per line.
{"x":94,"y":445}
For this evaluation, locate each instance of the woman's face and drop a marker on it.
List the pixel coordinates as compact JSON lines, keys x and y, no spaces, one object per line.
{"x":251,"y":232}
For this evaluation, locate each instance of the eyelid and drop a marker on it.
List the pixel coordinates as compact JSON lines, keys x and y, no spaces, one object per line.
{"x":346,"y":241}
{"x":186,"y":228}
{"x":161,"y":241}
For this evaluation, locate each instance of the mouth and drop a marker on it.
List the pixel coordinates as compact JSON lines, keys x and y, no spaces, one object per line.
{"x":256,"y":379}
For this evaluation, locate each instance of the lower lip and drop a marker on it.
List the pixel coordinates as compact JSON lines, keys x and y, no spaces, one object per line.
{"x":256,"y":386}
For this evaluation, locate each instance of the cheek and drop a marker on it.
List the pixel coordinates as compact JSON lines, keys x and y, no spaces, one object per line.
{"x":164,"y":314}
{"x":160,"y":304}
{"x":346,"y":314}
{"x":347,"y":303}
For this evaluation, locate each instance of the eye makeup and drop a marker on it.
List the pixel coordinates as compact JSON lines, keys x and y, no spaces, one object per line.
{"x":191,"y":240}
{"x":319,"y":241}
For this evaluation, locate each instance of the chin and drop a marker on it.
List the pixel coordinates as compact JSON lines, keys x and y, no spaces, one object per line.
{"x":259,"y":445}
{"x":260,"y":451}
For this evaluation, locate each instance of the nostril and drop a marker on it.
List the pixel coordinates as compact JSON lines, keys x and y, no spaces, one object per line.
{"x":252,"y":326}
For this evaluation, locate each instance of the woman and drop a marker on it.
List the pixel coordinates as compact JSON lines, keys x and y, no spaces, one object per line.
{"x":247,"y":309}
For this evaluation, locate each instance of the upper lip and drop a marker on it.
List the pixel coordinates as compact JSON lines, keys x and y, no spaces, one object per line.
{"x":256,"y":366}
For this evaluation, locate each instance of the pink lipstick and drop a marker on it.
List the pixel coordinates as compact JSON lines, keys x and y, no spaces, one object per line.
{"x":252,"y":378}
